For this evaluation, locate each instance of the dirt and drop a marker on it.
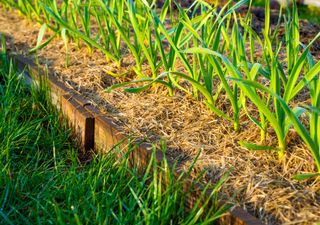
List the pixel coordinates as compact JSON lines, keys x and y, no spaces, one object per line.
{"x":259,"y":182}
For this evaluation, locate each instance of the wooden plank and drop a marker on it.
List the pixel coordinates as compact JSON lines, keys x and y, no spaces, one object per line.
{"x":57,"y":91}
{"x":57,"y":88}
{"x":239,"y":216}
{"x":80,"y":120}
{"x":106,"y":132}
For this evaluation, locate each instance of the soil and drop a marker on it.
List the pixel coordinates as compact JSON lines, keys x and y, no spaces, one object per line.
{"x":259,"y":182}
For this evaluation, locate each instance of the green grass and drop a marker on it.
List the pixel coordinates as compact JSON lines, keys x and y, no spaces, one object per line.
{"x":45,"y":180}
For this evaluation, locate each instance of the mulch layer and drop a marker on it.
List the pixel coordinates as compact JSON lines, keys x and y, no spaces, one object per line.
{"x":259,"y":182}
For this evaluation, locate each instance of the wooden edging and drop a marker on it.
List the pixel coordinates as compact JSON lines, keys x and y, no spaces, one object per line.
{"x":96,"y":130}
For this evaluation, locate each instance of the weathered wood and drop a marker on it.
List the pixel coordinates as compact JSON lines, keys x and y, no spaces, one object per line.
{"x":32,"y":71}
{"x":57,"y":91}
{"x":80,"y":120}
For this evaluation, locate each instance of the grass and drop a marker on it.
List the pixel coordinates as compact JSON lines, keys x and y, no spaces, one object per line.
{"x":211,"y":46}
{"x":44,"y":179}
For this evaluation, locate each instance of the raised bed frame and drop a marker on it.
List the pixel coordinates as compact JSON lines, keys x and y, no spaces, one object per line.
{"x":97,"y":131}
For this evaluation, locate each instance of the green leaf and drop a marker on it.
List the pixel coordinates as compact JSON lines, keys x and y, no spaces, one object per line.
{"x":312,"y":73}
{"x":297,"y":112}
{"x":301,"y":130}
{"x":312,"y":109}
{"x":252,"y":146}
{"x":305,"y":176}
{"x":115,"y":86}
{"x":42,"y":31}
{"x":254,"y":71}
{"x":41,"y":34}
{"x":65,"y":40}
{"x":78,"y":33}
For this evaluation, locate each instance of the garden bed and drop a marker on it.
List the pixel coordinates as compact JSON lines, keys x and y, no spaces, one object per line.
{"x":37,"y":151}
{"x":258,"y":182}
{"x":94,"y":130}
